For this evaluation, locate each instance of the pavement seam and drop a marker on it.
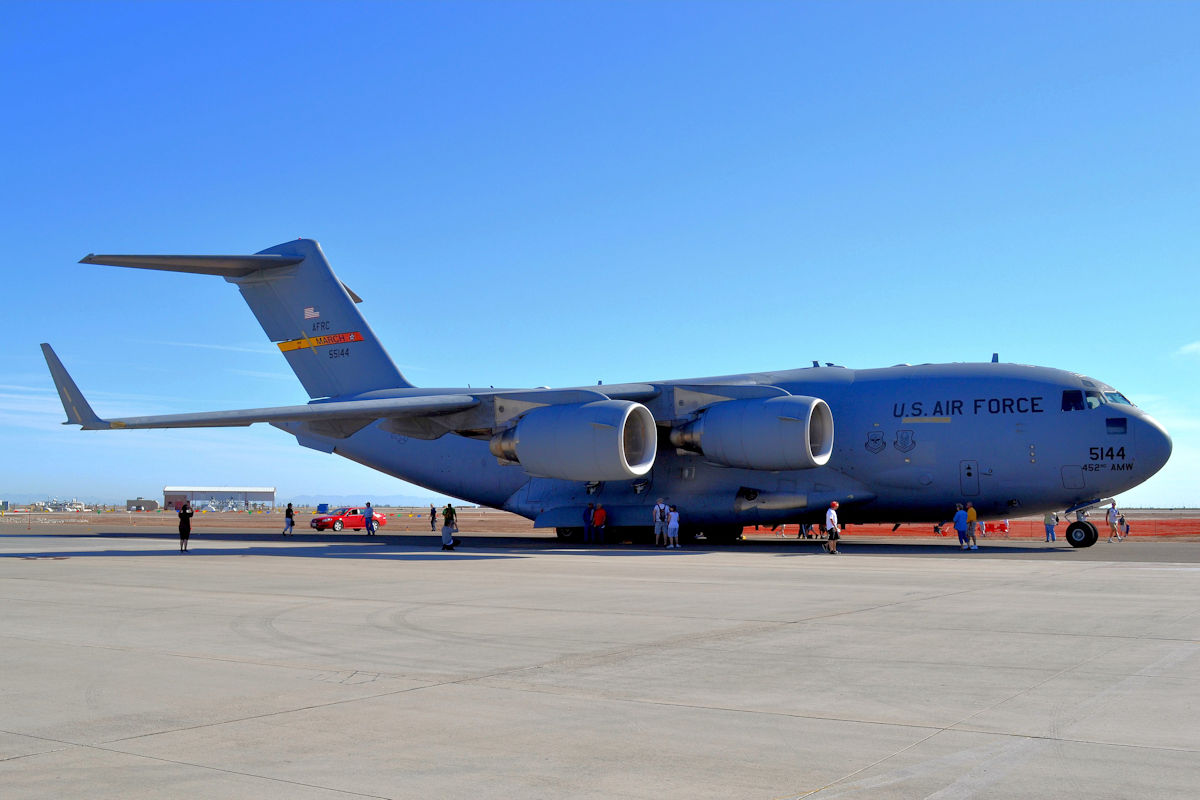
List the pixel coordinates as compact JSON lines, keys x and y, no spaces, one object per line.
{"x":115,"y":751}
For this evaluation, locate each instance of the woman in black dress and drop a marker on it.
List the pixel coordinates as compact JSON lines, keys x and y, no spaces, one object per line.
{"x":185,"y":526}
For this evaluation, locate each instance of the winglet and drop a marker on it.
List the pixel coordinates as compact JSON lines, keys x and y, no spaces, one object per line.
{"x":77,"y":408}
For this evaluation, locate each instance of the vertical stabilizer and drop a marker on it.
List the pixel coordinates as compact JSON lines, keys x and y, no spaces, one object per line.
{"x":303,"y":308}
{"x":313,"y":319}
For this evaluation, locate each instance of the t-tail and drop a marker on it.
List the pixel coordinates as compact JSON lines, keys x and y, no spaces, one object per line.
{"x":302,"y":307}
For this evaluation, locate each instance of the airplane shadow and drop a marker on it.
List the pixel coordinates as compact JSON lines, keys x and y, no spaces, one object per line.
{"x":424,"y":547}
{"x":204,"y":547}
{"x":931,"y":549}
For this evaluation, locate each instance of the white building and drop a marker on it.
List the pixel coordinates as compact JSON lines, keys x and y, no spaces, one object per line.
{"x":218,"y":498}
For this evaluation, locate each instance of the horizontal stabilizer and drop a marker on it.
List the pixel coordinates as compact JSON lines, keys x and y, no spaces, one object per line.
{"x":225,"y":266}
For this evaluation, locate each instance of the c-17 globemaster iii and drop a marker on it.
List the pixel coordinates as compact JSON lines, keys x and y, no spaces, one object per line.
{"x":729,"y":451}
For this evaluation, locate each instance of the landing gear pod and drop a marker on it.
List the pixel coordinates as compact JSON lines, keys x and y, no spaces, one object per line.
{"x":778,"y":433}
{"x":607,"y":440}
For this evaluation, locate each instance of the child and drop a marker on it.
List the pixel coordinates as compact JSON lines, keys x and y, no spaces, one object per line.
{"x":673,"y":529}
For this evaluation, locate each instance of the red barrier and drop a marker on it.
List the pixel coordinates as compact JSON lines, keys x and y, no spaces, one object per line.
{"x":1139,"y":527}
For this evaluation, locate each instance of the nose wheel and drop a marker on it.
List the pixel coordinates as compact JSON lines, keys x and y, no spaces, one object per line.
{"x":1082,"y":534}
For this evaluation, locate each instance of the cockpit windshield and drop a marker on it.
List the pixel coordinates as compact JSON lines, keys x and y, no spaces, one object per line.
{"x":1076,"y":400}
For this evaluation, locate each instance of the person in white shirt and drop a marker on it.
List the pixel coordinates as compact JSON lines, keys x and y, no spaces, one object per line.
{"x":1113,"y":517}
{"x":660,"y":513}
{"x":831,"y":528}
{"x":673,"y":528}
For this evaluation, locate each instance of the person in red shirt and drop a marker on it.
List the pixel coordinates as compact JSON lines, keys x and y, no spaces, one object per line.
{"x":599,"y":521}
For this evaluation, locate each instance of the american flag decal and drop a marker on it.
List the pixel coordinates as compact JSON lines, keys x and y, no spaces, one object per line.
{"x":310,"y":312}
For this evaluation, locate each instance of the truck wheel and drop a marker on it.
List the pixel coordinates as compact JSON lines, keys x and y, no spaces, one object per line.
{"x":337,"y":526}
{"x":569,"y":534}
{"x":1082,"y":534}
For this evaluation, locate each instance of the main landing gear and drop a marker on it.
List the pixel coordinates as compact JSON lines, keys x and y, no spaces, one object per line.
{"x":1082,"y":534}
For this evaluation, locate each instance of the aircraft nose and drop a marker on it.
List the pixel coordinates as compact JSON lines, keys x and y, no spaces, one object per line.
{"x":1154,"y":445}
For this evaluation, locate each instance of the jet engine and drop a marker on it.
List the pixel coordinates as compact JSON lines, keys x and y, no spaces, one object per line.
{"x":605,"y":440}
{"x":776,"y":433}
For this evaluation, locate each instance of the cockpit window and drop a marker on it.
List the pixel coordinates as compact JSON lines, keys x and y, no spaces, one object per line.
{"x":1117,"y":398}
{"x":1075,"y":400}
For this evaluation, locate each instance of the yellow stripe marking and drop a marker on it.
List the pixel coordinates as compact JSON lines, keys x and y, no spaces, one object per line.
{"x":908,"y":420}
{"x":320,"y":341}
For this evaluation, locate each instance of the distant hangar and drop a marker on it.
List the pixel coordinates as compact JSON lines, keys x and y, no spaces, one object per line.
{"x":218,"y":498}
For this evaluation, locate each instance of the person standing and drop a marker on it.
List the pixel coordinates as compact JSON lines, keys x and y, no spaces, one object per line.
{"x":673,"y":528}
{"x":449,"y":527}
{"x":600,"y":522}
{"x":660,"y":514}
{"x":432,"y":519}
{"x":369,"y":519}
{"x":831,"y":528}
{"x":289,"y":520}
{"x":972,"y":524}
{"x":960,"y":524}
{"x":1050,"y":520}
{"x":1113,"y":518}
{"x":589,"y":523}
{"x":185,"y":527}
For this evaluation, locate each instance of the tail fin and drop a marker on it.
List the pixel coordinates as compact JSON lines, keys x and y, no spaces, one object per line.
{"x":303,"y":307}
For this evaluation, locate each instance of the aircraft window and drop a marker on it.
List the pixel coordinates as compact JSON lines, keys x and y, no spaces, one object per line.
{"x":1094,"y":399}
{"x":1117,"y":398}
{"x":1072,"y":400}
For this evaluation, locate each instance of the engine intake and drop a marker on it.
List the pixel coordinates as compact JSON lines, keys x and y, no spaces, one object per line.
{"x":606,"y":440}
{"x":776,"y":433}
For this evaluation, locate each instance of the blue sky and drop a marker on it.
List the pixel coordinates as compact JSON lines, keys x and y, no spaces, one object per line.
{"x":557,"y":193}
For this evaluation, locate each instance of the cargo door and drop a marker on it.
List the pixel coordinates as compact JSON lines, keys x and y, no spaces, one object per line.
{"x":968,"y":478}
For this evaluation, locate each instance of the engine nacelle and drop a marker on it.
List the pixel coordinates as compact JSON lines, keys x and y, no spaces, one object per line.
{"x":606,"y":440}
{"x":776,"y":433}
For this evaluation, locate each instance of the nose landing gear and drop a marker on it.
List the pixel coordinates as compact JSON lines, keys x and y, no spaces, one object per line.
{"x":1082,"y":534}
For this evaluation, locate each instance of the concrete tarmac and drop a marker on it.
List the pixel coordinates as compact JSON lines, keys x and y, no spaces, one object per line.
{"x":335,"y":667}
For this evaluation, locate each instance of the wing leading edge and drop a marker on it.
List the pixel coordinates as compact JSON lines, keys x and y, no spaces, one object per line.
{"x":79,"y":412}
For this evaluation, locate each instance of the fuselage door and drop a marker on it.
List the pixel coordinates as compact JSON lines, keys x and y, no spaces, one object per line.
{"x":1072,"y":476}
{"x":968,"y":477}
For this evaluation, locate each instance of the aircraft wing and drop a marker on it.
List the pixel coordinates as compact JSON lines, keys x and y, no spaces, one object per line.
{"x":79,"y":412}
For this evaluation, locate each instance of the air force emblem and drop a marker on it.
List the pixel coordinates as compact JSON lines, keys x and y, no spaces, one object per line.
{"x":875,"y":442}
{"x":904,"y":441}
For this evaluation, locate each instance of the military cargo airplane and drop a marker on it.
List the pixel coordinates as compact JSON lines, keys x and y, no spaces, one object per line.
{"x":729,"y":451}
